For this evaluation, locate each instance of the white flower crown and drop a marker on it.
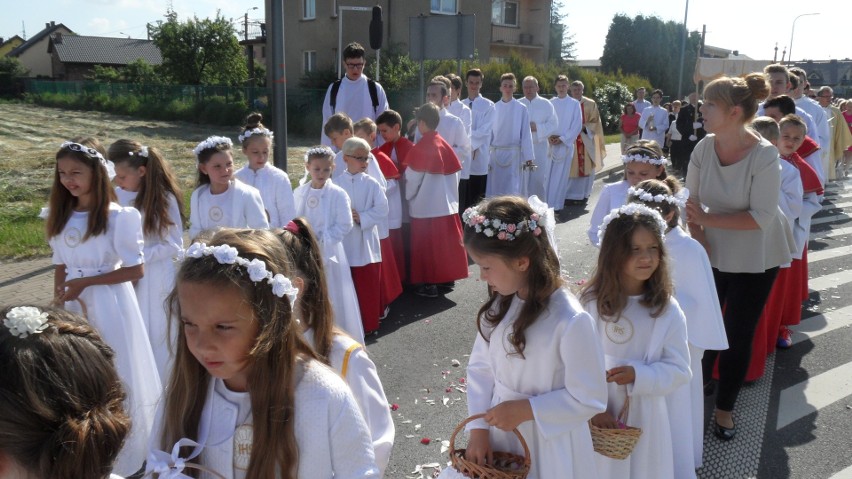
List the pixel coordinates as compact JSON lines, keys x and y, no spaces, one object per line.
{"x":643,"y":158}
{"x":254,"y":132}
{"x":91,"y":153}
{"x":211,"y":142}
{"x":25,"y":320}
{"x":226,"y":254}
{"x":319,"y":151}
{"x":632,"y":209}
{"x":492,"y":227}
{"x":678,"y":199}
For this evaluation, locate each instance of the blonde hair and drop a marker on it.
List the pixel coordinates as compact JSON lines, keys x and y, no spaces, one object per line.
{"x":277,"y":352}
{"x":743,"y":92}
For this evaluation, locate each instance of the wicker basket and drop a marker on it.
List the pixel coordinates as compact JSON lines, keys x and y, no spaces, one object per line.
{"x":616,"y":443}
{"x":506,"y":464}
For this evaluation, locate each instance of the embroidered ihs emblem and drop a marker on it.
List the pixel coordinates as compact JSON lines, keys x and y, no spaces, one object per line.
{"x":619,"y":332}
{"x":215,"y":214}
{"x":313,"y":201}
{"x":72,"y":237}
{"x":243,"y":438}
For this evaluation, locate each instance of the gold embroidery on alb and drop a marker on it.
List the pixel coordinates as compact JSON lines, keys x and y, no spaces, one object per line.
{"x":243,"y":437}
{"x":619,"y":332}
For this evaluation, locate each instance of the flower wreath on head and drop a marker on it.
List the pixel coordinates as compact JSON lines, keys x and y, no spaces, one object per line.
{"x":211,"y":142}
{"x":505,"y":231}
{"x":91,"y":153}
{"x":322,"y":151}
{"x":642,"y":157}
{"x":256,"y":269}
{"x":255,"y":132}
{"x":678,"y":199}
{"x":25,"y":320}
{"x":631,"y":209}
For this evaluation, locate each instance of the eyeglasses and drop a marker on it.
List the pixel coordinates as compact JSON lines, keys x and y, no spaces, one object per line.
{"x":355,"y":65}
{"x":362,"y":159}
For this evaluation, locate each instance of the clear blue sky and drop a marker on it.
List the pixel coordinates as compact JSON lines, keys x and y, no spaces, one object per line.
{"x":736,"y":25}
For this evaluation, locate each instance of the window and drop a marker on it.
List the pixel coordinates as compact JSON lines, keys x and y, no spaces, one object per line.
{"x":309,"y":61}
{"x":447,"y":7}
{"x":504,"y":13}
{"x":309,"y":7}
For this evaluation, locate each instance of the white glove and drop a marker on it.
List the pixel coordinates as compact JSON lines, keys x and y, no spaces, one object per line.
{"x":696,"y":125}
{"x":693,"y":138}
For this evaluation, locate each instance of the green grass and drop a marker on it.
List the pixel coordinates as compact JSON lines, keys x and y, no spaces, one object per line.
{"x":613,"y":138}
{"x":22,"y":232}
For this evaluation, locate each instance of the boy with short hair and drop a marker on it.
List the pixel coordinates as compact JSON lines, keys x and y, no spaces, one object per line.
{"x":338,"y":129}
{"x":482,"y":120}
{"x":391,"y":273}
{"x":511,"y":142}
{"x":431,"y":187}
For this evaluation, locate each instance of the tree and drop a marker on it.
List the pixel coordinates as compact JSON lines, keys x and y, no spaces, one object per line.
{"x":562,"y":44}
{"x":649,"y":47}
{"x":200,"y":51}
{"x":11,"y":70}
{"x":611,"y":98}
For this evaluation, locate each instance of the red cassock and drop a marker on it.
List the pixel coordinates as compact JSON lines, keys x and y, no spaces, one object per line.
{"x":438,"y":254}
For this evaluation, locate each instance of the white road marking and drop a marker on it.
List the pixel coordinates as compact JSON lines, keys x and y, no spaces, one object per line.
{"x":813,"y":394}
{"x":822,"y":323}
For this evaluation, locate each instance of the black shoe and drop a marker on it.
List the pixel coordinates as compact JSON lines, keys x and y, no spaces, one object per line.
{"x":724,"y":433}
{"x":427,"y":291}
{"x":446,"y":287}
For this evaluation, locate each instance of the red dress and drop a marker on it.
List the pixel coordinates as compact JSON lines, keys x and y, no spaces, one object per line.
{"x":391,"y":284}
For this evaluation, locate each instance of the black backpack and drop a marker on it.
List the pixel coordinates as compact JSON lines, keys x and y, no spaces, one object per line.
{"x":371,"y":86}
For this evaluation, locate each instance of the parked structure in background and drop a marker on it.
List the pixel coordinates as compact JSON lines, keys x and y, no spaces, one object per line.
{"x":7,"y":46}
{"x":74,"y":56}
{"x":502,"y":26}
{"x":33,"y":53}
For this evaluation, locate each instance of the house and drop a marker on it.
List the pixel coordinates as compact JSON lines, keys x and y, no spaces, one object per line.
{"x":834,"y":73}
{"x":74,"y":56}
{"x":33,"y":52}
{"x":501,"y":27}
{"x":7,"y":46}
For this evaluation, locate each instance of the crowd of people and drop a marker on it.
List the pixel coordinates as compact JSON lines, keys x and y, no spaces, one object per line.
{"x":241,"y":355}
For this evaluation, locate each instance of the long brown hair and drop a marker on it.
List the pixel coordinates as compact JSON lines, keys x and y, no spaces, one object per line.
{"x":62,"y":203}
{"x":606,"y":286}
{"x":543,"y":274}
{"x":61,"y":401}
{"x":159,"y":182}
{"x":304,"y":252}
{"x":274,"y":358}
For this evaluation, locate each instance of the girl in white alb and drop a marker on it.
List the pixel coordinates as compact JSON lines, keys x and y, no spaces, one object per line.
{"x":272,"y":183}
{"x":334,"y":347}
{"x":642,"y":161}
{"x":694,"y":289}
{"x":248,"y":396}
{"x":98,"y":251}
{"x":220,"y":201}
{"x":536,"y":364}
{"x":327,"y":208}
{"x":643,"y":334}
{"x":146,"y":182}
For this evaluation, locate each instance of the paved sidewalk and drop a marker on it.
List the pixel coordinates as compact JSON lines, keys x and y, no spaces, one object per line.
{"x":31,"y":281}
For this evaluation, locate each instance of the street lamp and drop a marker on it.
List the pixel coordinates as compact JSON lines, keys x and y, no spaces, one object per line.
{"x":792,"y":31}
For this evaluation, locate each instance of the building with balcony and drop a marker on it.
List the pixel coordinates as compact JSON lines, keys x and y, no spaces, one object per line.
{"x":501,"y":27}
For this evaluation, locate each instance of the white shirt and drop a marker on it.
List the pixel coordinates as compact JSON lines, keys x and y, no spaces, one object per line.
{"x":275,"y":189}
{"x":353,"y":98}
{"x":640,"y":105}
{"x":239,"y":206}
{"x":482,"y":120}
{"x":158,"y":247}
{"x":660,"y":121}
{"x":367,"y":198}
{"x":543,"y":114}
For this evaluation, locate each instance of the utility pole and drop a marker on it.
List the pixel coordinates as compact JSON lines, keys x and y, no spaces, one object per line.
{"x":279,"y":82}
{"x":682,"y":53}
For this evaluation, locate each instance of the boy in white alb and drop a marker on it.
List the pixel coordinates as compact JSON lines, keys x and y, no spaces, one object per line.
{"x":511,"y":142}
{"x":338,"y":129}
{"x":459,"y":109}
{"x":562,"y":142}
{"x":655,"y":120}
{"x":363,"y":250}
{"x":543,"y":124}
{"x":482,"y":110}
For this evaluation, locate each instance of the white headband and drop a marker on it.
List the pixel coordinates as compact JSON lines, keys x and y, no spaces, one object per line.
{"x":678,"y":199}
{"x":254,"y":132}
{"x":91,"y":153}
{"x":226,"y":254}
{"x":631,"y":209}
{"x":211,"y":142}
{"x":643,"y":158}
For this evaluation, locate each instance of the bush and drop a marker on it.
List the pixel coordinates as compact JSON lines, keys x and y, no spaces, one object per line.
{"x":611,"y":97}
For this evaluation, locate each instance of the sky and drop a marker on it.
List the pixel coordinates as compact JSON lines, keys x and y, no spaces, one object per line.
{"x":741,"y":25}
